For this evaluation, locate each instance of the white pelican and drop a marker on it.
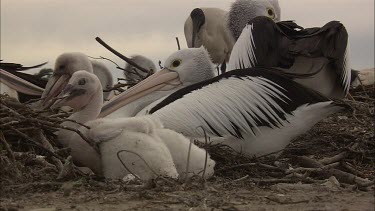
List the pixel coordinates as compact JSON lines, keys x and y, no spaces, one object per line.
{"x":133,"y":74}
{"x":186,"y":60}
{"x":217,"y":29}
{"x":141,"y":138}
{"x":286,"y":45}
{"x":68,"y":63}
{"x":256,"y":111}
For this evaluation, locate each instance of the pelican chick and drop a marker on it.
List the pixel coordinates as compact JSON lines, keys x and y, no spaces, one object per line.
{"x":144,"y":142}
{"x":135,"y":75}
{"x":67,"y":64}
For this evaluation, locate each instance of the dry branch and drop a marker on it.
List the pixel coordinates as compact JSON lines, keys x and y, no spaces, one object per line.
{"x":120,"y":55}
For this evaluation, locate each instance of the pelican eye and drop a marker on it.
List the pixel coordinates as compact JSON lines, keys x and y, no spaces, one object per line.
{"x":176,"y":63}
{"x":82,"y":81}
{"x":271,"y":13}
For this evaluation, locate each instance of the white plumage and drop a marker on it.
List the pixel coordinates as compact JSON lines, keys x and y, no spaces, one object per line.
{"x":238,"y":107}
{"x":146,"y":145}
{"x":68,"y":63}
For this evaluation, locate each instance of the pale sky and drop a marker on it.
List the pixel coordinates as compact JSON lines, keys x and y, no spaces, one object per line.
{"x":35,"y":31}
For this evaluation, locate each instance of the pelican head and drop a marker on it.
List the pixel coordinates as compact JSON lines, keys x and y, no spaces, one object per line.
{"x":242,"y":11}
{"x":142,"y":61}
{"x":65,"y":65}
{"x":79,"y":91}
{"x":181,"y":69}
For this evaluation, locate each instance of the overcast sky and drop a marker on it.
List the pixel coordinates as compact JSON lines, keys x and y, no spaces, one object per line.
{"x":34,"y":31}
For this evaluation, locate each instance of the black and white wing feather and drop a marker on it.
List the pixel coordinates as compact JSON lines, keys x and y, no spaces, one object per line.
{"x":235,"y":104}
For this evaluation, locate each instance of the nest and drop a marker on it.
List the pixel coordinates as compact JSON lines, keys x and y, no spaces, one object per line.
{"x":341,"y":145}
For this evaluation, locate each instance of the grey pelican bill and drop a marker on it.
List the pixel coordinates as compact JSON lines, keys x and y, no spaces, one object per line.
{"x":256,"y":110}
{"x":285,"y":45}
{"x":161,"y":148}
{"x":217,"y":29}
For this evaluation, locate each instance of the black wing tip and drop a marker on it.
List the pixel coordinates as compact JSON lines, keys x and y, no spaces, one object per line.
{"x":18,"y":67}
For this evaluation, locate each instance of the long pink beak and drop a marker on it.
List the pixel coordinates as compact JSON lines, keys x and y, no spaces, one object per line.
{"x":162,"y":80}
{"x":19,"y":84}
{"x":53,"y":88}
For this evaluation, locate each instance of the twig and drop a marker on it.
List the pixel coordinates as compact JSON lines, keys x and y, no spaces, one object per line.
{"x":351,"y":169}
{"x":33,"y":142}
{"x":250,"y":164}
{"x":45,"y":143}
{"x":312,"y":170}
{"x":120,"y":55}
{"x":7,"y":147}
{"x":188,"y":163}
{"x":334,"y":159}
{"x":178,"y":44}
{"x":206,"y":157}
{"x":67,"y":168}
{"x":237,"y":180}
{"x":161,"y":67}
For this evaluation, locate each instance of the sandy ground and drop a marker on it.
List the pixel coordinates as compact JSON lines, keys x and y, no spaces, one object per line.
{"x":213,"y":196}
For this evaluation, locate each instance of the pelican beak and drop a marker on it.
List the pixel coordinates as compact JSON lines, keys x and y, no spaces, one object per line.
{"x":19,"y":84}
{"x":72,"y":97}
{"x":53,"y":88}
{"x":160,"y":81}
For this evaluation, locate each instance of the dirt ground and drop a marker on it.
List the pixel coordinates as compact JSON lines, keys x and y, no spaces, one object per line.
{"x":216,"y":196}
{"x":329,"y":168}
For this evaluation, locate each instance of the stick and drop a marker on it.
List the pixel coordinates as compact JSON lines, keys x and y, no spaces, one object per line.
{"x":188,"y":163}
{"x":7,"y":147}
{"x":178,"y":44}
{"x":47,"y":145}
{"x":120,"y":55}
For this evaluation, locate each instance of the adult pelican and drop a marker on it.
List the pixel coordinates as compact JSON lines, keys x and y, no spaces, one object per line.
{"x":285,"y":45}
{"x":15,"y":86}
{"x":256,"y":111}
{"x":147,"y":147}
{"x":128,"y":105}
{"x":217,"y":29}
{"x":19,"y":85}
